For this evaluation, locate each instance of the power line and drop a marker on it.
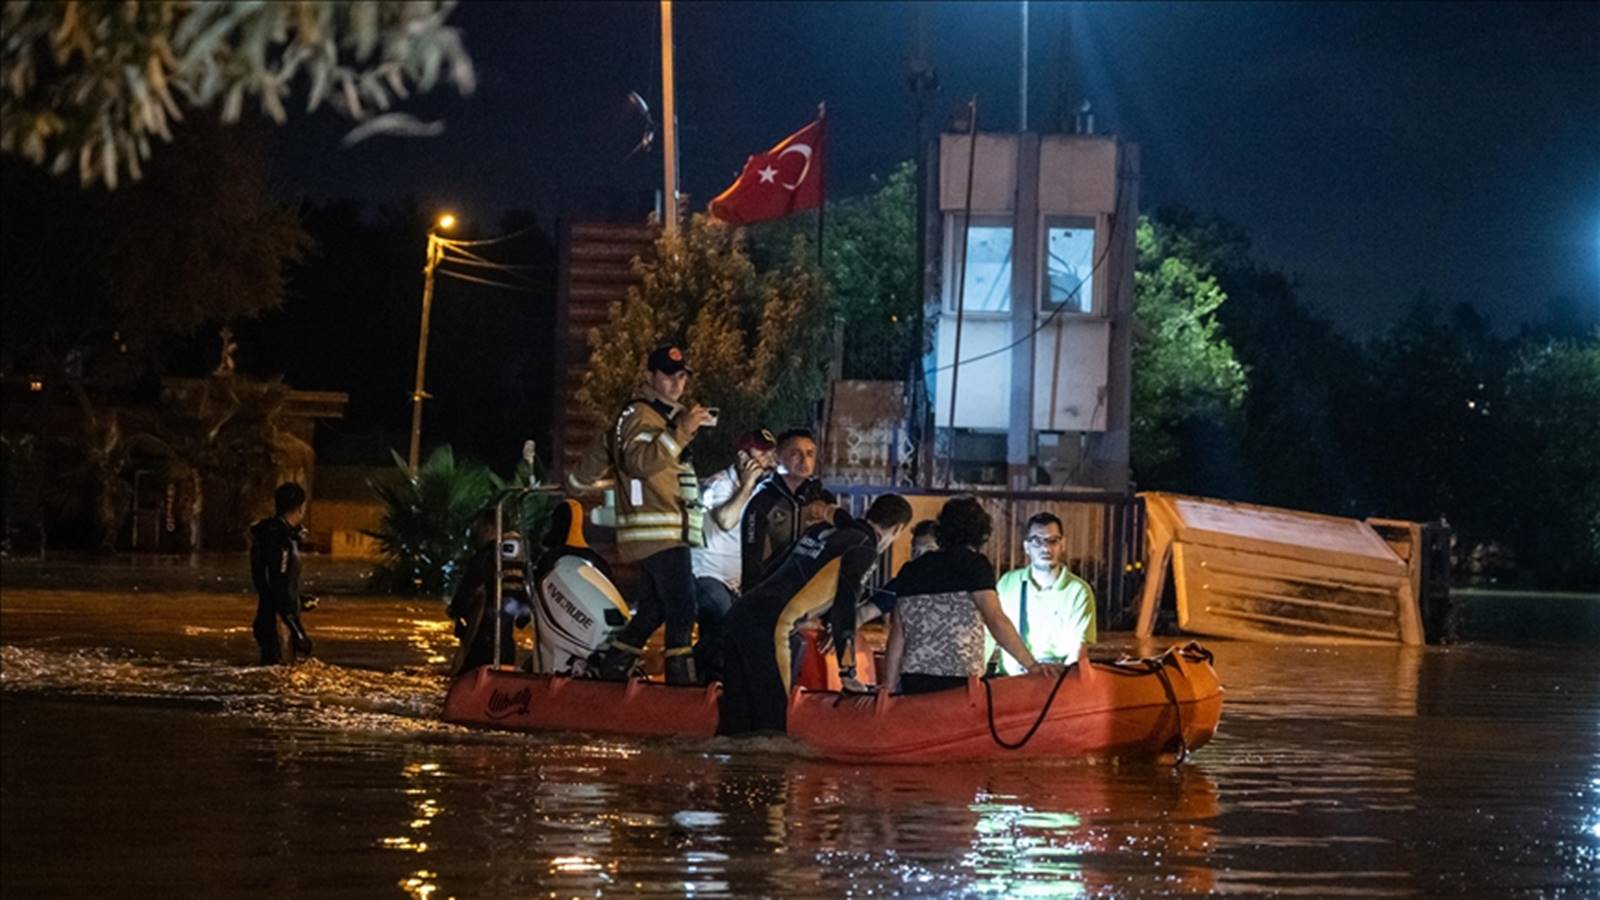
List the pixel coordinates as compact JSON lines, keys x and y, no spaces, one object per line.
{"x":468,"y":258}
{"x":485,"y":264}
{"x":453,"y":242}
{"x":485,"y":281}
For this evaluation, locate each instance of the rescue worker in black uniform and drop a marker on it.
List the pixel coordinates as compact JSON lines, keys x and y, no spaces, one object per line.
{"x":825,"y":575}
{"x":772,"y":521}
{"x":275,"y":571}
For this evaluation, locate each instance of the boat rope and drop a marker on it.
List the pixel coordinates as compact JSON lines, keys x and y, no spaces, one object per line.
{"x":1159,"y":667}
{"x":988,"y":691}
{"x":1149,"y":665}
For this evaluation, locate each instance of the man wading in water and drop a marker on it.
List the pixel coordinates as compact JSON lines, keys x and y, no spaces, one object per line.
{"x":275,"y":569}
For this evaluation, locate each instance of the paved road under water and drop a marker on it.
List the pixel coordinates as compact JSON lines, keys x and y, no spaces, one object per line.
{"x":142,"y":754}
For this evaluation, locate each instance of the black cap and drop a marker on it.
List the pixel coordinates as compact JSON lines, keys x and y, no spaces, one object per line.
{"x":668,"y":360}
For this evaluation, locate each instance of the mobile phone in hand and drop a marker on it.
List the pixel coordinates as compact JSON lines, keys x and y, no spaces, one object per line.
{"x":712,"y":414}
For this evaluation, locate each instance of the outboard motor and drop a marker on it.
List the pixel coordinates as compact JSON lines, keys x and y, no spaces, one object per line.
{"x":578,"y":609}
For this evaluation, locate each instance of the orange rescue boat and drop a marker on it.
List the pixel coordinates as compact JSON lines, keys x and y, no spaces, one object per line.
{"x":1169,"y":704}
{"x":519,"y":701}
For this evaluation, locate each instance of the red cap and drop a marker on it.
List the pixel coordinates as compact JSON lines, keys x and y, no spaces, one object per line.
{"x":760,"y":439}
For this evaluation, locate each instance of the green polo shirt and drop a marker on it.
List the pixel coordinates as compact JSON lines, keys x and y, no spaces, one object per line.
{"x":1060,"y":617}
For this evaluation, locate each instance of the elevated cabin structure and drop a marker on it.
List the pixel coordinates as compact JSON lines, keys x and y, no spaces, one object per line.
{"x":1030,"y":309}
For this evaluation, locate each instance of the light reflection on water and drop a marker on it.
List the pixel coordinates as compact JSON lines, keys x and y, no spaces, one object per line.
{"x":143,"y":755}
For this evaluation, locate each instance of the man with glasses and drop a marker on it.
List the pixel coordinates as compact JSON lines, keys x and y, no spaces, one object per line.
{"x":1052,"y":608}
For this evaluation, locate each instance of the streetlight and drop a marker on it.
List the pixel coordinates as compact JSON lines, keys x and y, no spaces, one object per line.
{"x":436,"y":246}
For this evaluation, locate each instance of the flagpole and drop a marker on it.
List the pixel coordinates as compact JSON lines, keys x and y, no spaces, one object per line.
{"x":836,"y":342}
{"x":669,"y":124}
{"x":822,"y":205}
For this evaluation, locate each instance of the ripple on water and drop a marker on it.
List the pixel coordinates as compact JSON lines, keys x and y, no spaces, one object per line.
{"x":311,"y":692}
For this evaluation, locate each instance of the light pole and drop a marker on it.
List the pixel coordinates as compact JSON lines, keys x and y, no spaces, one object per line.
{"x":436,"y":245}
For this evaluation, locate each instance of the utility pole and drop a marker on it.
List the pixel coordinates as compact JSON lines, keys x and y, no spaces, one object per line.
{"x":669,"y":123}
{"x":436,"y":245}
{"x":923,"y":82}
{"x":1022,"y":100}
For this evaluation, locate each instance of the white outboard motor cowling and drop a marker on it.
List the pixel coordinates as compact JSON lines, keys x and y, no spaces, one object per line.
{"x":578,"y":612}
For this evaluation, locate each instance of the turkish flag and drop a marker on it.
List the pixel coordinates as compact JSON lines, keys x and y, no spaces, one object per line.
{"x":783,"y":180}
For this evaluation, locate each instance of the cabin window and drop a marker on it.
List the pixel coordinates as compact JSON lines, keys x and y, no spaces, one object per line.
{"x":1069,"y":263}
{"x":988,"y":265}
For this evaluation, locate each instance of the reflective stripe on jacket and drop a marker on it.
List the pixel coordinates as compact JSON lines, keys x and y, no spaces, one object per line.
{"x":658,"y":496}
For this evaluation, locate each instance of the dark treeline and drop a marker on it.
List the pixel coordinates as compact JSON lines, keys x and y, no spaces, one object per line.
{"x":114,"y":290}
{"x":1438,"y":416}
{"x":108,"y":293}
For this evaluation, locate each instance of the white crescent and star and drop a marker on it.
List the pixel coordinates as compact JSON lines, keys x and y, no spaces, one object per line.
{"x":802,"y":149}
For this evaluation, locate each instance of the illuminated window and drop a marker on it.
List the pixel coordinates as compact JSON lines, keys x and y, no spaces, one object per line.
{"x":1068,"y":265}
{"x":988,"y":265}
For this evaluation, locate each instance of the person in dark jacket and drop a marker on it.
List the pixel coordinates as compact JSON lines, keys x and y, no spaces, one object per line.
{"x":825,"y":576}
{"x":275,"y":570}
{"x":772,"y":519}
{"x":471,"y":608}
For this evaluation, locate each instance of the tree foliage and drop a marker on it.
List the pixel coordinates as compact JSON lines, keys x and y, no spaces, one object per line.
{"x":221,"y":441}
{"x":756,"y":339}
{"x":1432,"y":385}
{"x":427,"y":521}
{"x":90,"y":489}
{"x":229,"y":434}
{"x":869,"y":252}
{"x":1436,"y":416}
{"x":425,"y":535}
{"x":89,"y":83}
{"x":1551,"y":414}
{"x":94,"y":279}
{"x":1183,"y":367}
{"x":1287,"y":446}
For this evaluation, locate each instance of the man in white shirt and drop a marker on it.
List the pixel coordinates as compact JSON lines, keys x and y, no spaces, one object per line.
{"x":1052,"y":608}
{"x":717,"y":565}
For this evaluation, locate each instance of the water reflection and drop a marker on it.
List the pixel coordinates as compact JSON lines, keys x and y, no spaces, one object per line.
{"x":1074,"y":828}
{"x":1465,"y":770}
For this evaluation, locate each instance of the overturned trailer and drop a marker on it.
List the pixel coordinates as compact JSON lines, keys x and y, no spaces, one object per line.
{"x":1261,"y":573}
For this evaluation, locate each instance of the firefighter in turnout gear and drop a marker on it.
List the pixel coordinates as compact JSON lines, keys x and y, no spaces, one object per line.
{"x":659,"y":516}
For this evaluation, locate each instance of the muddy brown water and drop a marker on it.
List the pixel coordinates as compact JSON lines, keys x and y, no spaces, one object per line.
{"x":143,"y":755}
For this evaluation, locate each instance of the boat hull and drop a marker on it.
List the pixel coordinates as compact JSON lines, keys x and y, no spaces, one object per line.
{"x":1120,"y":709}
{"x":519,"y":701}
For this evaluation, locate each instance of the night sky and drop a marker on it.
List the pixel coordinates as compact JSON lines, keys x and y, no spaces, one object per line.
{"x":1373,"y":150}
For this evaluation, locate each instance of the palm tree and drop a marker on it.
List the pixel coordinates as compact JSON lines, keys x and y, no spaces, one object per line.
{"x":226,"y":430}
{"x":94,"y":478}
{"x":427,"y":517}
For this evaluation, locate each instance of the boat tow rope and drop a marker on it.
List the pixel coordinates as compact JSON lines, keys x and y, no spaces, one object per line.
{"x":1156,"y":665}
{"x":988,"y":692}
{"x":1159,"y":666}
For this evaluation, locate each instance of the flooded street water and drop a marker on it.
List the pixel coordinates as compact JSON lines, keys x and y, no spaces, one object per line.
{"x":144,"y":755}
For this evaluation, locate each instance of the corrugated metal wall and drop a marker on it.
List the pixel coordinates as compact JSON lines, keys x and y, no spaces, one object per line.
{"x":596,"y":271}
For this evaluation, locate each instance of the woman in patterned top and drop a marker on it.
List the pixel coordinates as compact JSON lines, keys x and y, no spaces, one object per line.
{"x":946,"y":603}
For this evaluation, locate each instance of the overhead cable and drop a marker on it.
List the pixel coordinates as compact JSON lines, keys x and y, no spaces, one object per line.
{"x":485,"y":281}
{"x":453,"y":242}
